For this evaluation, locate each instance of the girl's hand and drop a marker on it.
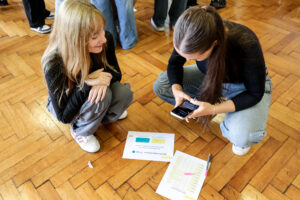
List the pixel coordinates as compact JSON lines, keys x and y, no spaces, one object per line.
{"x":97,"y":93}
{"x":179,"y":95}
{"x":203,"y":109}
{"x":98,"y":77}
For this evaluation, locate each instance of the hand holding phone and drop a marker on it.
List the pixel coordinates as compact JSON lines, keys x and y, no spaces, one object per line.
{"x":184,"y":109}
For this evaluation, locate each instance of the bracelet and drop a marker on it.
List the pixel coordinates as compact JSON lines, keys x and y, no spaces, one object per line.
{"x":214,"y":111}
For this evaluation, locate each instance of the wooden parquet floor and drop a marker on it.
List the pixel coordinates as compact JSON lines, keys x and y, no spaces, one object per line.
{"x":39,"y":159}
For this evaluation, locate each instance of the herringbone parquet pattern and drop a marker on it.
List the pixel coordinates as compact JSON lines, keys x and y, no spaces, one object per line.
{"x":39,"y":159}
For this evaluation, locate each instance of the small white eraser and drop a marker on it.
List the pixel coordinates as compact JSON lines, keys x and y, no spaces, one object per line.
{"x":90,"y":164}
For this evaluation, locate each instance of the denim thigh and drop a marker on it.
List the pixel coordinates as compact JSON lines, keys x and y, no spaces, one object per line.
{"x":192,"y":81}
{"x":246,"y":127}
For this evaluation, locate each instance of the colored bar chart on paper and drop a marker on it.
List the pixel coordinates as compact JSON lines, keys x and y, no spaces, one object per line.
{"x":149,"y":146}
{"x":143,"y":140}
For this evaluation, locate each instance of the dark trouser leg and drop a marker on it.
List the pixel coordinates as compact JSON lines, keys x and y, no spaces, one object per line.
{"x":160,"y":12}
{"x":176,"y":9}
{"x":35,"y":11}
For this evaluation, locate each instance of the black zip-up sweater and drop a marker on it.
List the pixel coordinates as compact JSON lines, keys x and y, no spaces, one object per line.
{"x":71,"y":104}
{"x":244,"y":64}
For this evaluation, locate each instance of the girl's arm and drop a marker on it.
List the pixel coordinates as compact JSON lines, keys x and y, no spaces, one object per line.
{"x":70,"y":105}
{"x":175,"y":68}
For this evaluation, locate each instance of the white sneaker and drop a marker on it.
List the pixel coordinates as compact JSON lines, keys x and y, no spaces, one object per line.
{"x":42,"y":29}
{"x":51,"y":15}
{"x":87,"y":143}
{"x":124,"y":115}
{"x":240,"y":151}
{"x":156,"y":27}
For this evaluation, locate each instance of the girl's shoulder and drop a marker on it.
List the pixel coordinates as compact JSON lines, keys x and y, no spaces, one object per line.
{"x":239,"y":35}
{"x":52,"y":61}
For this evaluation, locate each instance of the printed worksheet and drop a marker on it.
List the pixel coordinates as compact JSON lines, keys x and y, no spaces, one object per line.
{"x":184,"y":178}
{"x":149,"y":146}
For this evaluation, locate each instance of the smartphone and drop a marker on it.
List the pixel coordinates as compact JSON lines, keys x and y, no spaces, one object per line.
{"x":184,"y":110}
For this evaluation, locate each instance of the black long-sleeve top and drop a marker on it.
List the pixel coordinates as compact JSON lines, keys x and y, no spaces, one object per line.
{"x":54,"y":74}
{"x":244,"y":64}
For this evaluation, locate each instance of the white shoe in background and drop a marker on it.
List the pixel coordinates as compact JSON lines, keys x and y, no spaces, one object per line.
{"x":160,"y":29}
{"x":51,"y":15}
{"x":42,"y":29}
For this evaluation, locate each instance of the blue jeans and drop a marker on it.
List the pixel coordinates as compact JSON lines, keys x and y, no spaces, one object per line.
{"x":128,"y":31}
{"x":242,"y":128}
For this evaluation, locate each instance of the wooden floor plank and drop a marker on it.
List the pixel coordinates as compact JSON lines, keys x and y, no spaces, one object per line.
{"x":270,"y":169}
{"x":293,"y":192}
{"x":48,"y":192}
{"x":288,"y":173}
{"x":86,"y":192}
{"x":250,"y":193}
{"x":8,"y":190}
{"x":250,"y":169}
{"x":107,"y":192}
{"x":40,"y":159}
{"x":28,"y":192}
{"x":272,"y":193}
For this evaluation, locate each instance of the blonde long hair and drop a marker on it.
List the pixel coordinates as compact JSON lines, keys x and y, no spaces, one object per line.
{"x":75,"y":23}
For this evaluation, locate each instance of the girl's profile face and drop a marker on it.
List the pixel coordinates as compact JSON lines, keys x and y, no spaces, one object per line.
{"x":96,"y":41}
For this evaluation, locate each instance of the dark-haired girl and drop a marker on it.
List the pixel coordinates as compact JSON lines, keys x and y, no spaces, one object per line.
{"x":229,"y":76}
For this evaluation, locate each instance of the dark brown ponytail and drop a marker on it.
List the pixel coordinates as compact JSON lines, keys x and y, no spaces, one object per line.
{"x":195,"y":31}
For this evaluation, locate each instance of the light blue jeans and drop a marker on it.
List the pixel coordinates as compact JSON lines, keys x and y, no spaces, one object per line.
{"x":128,"y":32}
{"x":242,"y":128}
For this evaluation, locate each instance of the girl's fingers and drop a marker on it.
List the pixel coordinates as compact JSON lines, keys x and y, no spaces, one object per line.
{"x":187,"y":120}
{"x":94,"y":95}
{"x":90,"y":94}
{"x":103,"y":93}
{"x":98,"y":96}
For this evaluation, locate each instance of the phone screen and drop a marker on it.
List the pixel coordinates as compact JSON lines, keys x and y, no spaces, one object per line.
{"x":184,"y":110}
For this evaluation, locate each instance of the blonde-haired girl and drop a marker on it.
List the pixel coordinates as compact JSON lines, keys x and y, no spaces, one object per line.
{"x":82,"y":73}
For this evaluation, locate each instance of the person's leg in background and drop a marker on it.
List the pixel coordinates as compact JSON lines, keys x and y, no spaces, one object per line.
{"x":191,"y":3}
{"x":218,"y":3}
{"x":36,"y":13}
{"x":128,"y":31}
{"x":106,"y":9}
{"x":160,"y":14}
{"x":57,"y":4}
{"x":3,"y":3}
{"x":176,"y":9}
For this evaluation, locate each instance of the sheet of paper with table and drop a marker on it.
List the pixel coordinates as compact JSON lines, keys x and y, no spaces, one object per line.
{"x":149,"y":146}
{"x":184,"y":178}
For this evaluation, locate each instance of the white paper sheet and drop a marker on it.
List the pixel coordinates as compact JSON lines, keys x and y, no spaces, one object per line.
{"x":184,"y":178}
{"x":149,"y":146}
